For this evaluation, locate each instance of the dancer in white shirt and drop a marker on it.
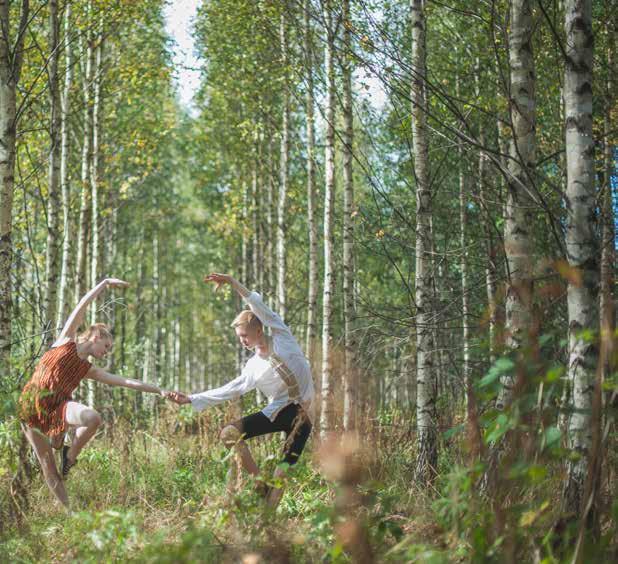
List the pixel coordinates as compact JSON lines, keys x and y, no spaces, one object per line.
{"x":280,"y":370}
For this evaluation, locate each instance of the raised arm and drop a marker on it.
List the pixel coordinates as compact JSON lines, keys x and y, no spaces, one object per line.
{"x":254,"y":300}
{"x":77,"y":315}
{"x":113,"y":380}
{"x":220,"y":279}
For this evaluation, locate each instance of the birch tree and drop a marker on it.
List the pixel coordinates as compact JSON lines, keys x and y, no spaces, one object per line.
{"x":62,"y":312}
{"x":95,"y":198}
{"x":283,"y":170}
{"x":11,"y":59}
{"x":312,"y":293}
{"x":327,"y":422}
{"x":53,"y":196}
{"x":84,"y":209}
{"x":350,"y":386}
{"x":518,"y":217}
{"x":581,"y":242}
{"x":427,"y":456}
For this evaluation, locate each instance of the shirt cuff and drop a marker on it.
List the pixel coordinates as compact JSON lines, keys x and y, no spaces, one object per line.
{"x":197,"y":403}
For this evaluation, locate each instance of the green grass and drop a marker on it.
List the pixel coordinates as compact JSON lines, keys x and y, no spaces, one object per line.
{"x":159,"y":495}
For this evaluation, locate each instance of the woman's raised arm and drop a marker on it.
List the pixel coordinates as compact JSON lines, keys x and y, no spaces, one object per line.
{"x":77,"y":315}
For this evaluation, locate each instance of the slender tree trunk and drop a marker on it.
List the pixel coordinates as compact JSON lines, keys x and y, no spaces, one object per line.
{"x":608,"y":251}
{"x":159,"y":330}
{"x":465,"y":290}
{"x":84,"y":217}
{"x":96,"y":259}
{"x":11,"y":57}
{"x":327,"y":422}
{"x":283,"y":173}
{"x":426,"y":415}
{"x":62,"y":312}
{"x":270,"y":246}
{"x":139,"y":367}
{"x":350,"y":387}
{"x":581,"y":242}
{"x":255,"y":221}
{"x":53,"y":199}
{"x":311,"y":194}
{"x":518,"y":217}
{"x":491,"y":275}
{"x":245,"y":267}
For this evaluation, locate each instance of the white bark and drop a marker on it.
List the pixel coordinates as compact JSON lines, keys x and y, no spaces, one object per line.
{"x":518,"y":219}
{"x":311,"y":194}
{"x":463,"y":240}
{"x":283,"y":173}
{"x":350,"y":385}
{"x":11,"y":57}
{"x":84,"y":217}
{"x":427,"y":456}
{"x":96,"y":259}
{"x":62,"y":312}
{"x":270,"y":231}
{"x":581,"y":241}
{"x":327,"y":421}
{"x":53,"y":197}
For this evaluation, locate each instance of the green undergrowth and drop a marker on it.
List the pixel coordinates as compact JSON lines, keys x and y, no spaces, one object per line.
{"x":159,"y":495}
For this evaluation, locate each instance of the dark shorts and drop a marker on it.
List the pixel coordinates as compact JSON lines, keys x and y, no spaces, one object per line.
{"x":291,"y":420}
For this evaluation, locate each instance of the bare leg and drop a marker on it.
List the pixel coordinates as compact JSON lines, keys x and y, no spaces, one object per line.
{"x":231,"y":437}
{"x":87,"y":421}
{"x":56,"y":442}
{"x":246,"y":458}
{"x":275,"y":494}
{"x":45,"y":455}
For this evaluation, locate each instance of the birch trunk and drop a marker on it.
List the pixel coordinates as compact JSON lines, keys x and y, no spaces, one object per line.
{"x":95,"y":263}
{"x":465,"y":297}
{"x":139,"y":367}
{"x":159,"y":330}
{"x":270,"y":247}
{"x":62,"y":312}
{"x":518,"y":218}
{"x":350,"y":386}
{"x":427,"y":457}
{"x":255,"y":221}
{"x":311,"y":194}
{"x":53,"y":198}
{"x":84,"y":217}
{"x":581,"y":242}
{"x":244,"y":242}
{"x":327,"y":419}
{"x":283,"y":174}
{"x":11,"y":57}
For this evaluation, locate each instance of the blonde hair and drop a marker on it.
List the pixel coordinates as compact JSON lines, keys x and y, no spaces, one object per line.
{"x":99,"y":330}
{"x":247,"y":317}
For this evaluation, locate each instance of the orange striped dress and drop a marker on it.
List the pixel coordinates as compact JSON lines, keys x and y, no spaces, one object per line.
{"x":44,"y":399}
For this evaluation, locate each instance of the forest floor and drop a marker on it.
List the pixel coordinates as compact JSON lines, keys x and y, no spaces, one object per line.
{"x":159,"y":495}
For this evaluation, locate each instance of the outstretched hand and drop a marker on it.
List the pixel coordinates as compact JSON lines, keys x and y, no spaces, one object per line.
{"x":177,"y":397}
{"x":218,"y":279}
{"x":116,"y":283}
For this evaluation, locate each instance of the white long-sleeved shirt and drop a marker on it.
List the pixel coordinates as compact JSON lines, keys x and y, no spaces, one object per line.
{"x":284,"y":377}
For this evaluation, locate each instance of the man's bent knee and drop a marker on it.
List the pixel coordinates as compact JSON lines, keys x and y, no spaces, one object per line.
{"x":230,"y":435}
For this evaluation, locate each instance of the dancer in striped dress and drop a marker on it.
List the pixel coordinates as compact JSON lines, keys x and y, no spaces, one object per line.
{"x":47,"y":408}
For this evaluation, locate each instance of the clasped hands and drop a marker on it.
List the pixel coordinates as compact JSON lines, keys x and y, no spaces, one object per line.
{"x":176,"y":397}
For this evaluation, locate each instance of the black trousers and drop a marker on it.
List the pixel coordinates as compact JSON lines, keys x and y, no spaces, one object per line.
{"x":292,"y":420}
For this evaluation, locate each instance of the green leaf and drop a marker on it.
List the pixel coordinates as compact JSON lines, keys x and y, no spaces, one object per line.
{"x":501,"y":366}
